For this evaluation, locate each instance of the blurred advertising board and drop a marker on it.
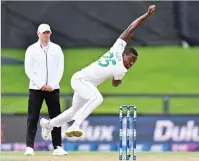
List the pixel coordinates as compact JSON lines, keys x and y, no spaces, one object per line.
{"x":101,"y":132}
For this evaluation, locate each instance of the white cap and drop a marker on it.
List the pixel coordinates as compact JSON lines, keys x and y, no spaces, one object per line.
{"x":44,"y":27}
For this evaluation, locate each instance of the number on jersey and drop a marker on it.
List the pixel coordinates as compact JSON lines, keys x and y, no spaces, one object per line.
{"x":106,"y":60}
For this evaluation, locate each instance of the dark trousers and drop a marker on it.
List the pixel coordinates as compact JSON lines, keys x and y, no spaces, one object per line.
{"x":36,"y":98}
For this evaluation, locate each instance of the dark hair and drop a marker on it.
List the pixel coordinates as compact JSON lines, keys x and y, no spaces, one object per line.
{"x":130,"y":50}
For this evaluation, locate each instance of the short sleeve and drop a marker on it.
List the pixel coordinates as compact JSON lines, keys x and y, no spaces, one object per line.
{"x":119,"y":46}
{"x":119,"y":76}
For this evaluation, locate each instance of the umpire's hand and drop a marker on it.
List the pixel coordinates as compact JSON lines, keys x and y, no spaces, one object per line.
{"x":47,"y":88}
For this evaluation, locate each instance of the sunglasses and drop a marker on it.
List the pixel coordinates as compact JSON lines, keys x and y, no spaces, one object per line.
{"x":46,"y":32}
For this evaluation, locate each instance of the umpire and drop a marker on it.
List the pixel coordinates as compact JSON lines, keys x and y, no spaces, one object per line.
{"x":44,"y":66}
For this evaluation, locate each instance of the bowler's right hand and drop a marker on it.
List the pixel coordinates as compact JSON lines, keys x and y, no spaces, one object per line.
{"x":151,"y":9}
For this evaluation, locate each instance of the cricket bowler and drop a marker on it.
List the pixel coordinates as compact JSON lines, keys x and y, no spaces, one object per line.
{"x":114,"y":64}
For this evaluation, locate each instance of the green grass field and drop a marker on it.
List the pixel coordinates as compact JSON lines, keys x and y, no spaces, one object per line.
{"x":100,"y":156}
{"x":158,"y":70}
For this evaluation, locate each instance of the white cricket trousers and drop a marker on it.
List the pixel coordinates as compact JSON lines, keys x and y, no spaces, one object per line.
{"x":85,"y":99}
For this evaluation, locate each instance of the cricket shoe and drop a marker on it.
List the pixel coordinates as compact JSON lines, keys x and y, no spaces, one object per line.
{"x":59,"y":151}
{"x":46,"y":128}
{"x":29,"y":151}
{"x":73,"y":131}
